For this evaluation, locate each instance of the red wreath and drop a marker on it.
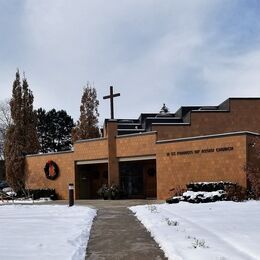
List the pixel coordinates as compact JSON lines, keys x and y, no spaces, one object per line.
{"x":51,"y":170}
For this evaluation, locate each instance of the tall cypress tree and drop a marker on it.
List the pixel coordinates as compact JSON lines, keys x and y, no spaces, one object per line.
{"x":21,"y":135}
{"x":87,"y":125}
{"x":31,"y":143}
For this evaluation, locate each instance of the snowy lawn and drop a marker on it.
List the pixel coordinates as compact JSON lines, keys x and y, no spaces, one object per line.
{"x":32,"y":232}
{"x":220,"y":230}
{"x":24,"y":201}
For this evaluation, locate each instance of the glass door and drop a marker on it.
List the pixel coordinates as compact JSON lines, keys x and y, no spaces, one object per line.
{"x":131,"y":178}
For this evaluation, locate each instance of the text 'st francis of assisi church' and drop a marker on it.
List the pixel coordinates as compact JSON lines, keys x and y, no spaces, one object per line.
{"x":151,"y":156}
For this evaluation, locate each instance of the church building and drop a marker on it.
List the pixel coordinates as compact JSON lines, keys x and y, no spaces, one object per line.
{"x":158,"y":153}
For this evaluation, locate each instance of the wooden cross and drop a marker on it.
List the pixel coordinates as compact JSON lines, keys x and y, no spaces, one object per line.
{"x":111,"y":97}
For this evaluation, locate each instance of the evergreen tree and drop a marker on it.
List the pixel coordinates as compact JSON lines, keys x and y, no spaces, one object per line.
{"x":42,"y":130}
{"x":54,"y":130}
{"x":87,"y":125}
{"x":31,"y":143}
{"x":21,"y":137}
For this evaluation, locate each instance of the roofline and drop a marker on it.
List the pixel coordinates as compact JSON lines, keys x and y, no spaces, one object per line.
{"x":175,"y":124}
{"x":208,"y":110}
{"x":129,"y":129}
{"x":243,"y":98}
{"x":191,"y":111}
{"x":165,"y":117}
{"x":206,"y":137}
{"x":51,"y":153}
{"x":91,"y":140}
{"x":137,"y":134}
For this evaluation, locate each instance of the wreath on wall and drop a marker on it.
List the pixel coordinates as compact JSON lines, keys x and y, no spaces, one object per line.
{"x":51,"y":170}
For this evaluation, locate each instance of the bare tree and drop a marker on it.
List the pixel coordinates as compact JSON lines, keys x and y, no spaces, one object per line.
{"x":253,"y":168}
{"x":5,"y":123}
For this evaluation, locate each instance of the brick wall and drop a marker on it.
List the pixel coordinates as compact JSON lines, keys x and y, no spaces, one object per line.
{"x":35,"y":176}
{"x":136,"y":145}
{"x":91,"y":149}
{"x":175,"y":171}
{"x":83,"y":150}
{"x":243,"y":115}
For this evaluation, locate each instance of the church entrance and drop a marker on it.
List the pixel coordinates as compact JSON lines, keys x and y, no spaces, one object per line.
{"x":138,"y":178}
{"x":89,"y":178}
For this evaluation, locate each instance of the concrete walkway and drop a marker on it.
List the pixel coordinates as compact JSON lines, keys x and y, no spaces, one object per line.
{"x":117,"y":234}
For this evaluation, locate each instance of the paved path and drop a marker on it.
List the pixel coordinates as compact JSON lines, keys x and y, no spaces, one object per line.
{"x":117,"y":234}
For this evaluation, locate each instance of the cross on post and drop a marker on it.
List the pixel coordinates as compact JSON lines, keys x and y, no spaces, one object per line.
{"x":111,"y":97}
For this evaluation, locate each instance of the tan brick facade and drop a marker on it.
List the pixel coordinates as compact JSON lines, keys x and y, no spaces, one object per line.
{"x":177,"y":161}
{"x":35,"y":176}
{"x":200,"y":160}
{"x":241,"y":115}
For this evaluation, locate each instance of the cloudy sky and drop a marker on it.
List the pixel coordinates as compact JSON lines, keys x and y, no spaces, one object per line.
{"x":196,"y":52}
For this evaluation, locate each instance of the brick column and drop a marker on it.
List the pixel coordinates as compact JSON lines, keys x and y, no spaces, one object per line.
{"x":113,"y":168}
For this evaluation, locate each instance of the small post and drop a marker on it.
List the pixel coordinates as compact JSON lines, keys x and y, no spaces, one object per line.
{"x":71,"y":194}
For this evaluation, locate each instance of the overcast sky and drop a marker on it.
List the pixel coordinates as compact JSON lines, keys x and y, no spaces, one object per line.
{"x":196,"y":52}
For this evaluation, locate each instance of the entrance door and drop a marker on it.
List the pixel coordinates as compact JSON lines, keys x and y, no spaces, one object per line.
{"x":84,"y":185}
{"x":131,"y":178}
{"x":89,"y":179}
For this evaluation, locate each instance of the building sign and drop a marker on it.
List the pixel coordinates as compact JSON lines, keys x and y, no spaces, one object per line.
{"x":201,"y":151}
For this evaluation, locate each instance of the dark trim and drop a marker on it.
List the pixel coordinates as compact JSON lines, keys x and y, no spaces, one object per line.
{"x":91,"y":140}
{"x":91,"y":160}
{"x":138,"y":134}
{"x":244,"y":98}
{"x":138,"y":158}
{"x":207,"y":111}
{"x":206,"y":137}
{"x":46,"y":154}
{"x":175,"y":124}
{"x":125,"y":123}
{"x":130,"y":129}
{"x":164,"y":117}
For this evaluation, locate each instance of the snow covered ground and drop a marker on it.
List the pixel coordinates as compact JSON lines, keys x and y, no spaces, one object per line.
{"x":24,"y":201}
{"x":44,"y":232}
{"x":220,"y":230}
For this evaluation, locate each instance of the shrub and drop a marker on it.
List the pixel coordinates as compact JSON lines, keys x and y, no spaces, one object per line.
{"x":104,"y":192}
{"x":177,"y":191}
{"x":236,"y":192}
{"x":207,"y":186}
{"x":38,"y":193}
{"x":173,"y":200}
{"x":203,"y":192}
{"x":253,"y":180}
{"x":3,"y":184}
{"x":114,"y":192}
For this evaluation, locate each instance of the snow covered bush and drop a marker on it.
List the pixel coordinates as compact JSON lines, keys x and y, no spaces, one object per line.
{"x":9,"y":191}
{"x":43,"y":193}
{"x":203,"y":196}
{"x":208,"y":186}
{"x":203,"y":192}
